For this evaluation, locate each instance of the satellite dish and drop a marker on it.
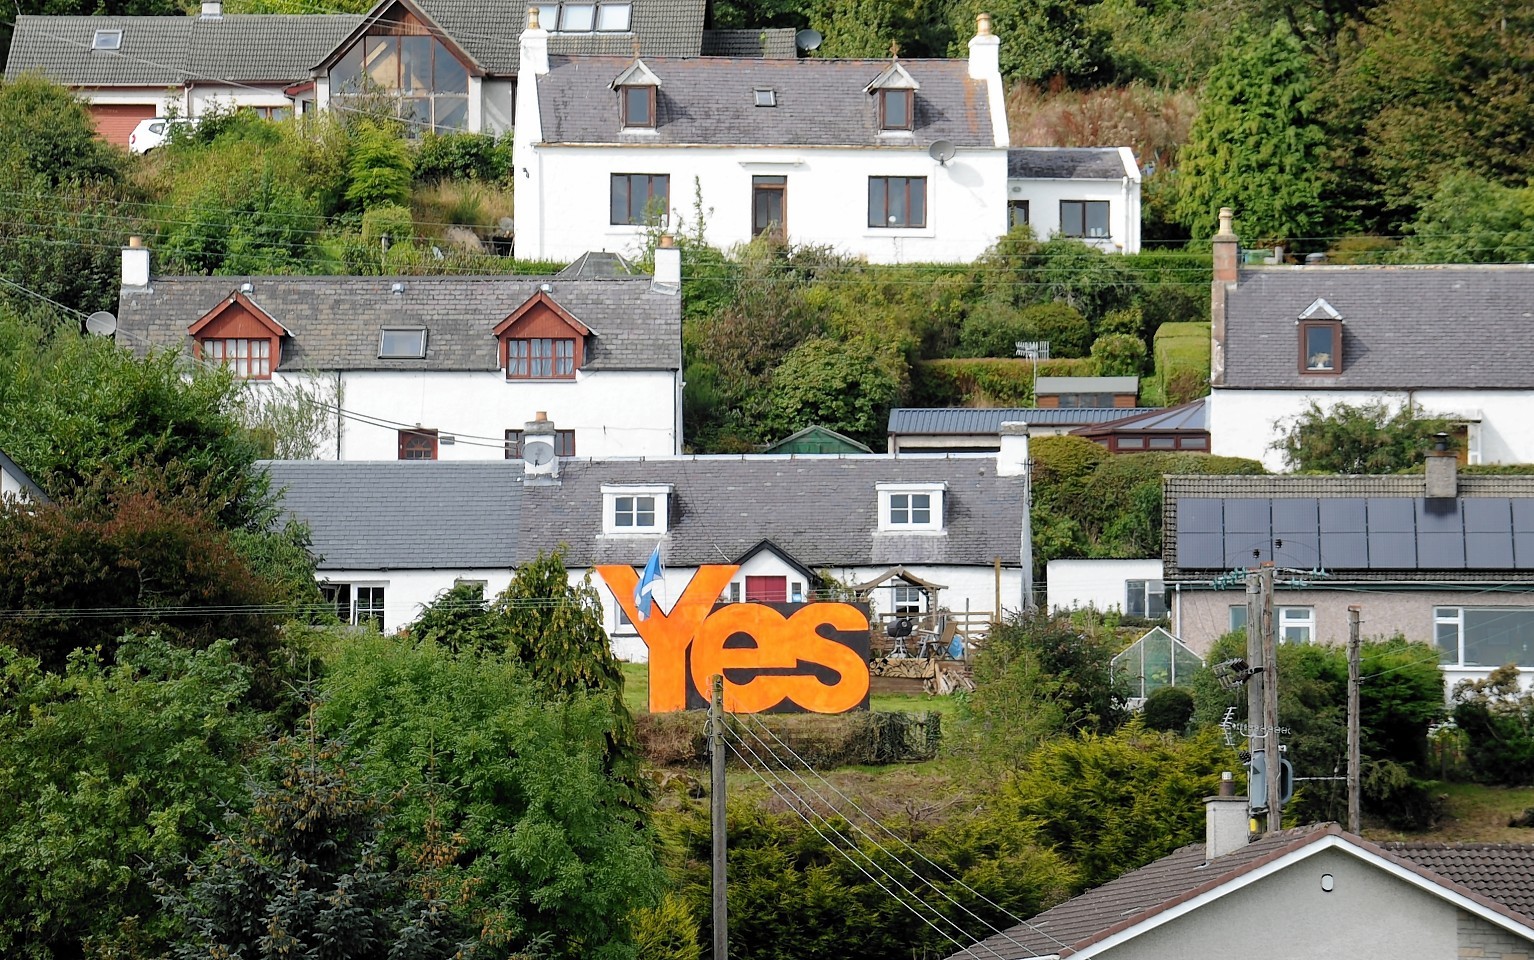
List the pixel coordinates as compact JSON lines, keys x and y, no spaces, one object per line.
{"x":101,"y":323}
{"x":808,"y":40}
{"x":537,"y":453}
{"x":942,"y":151}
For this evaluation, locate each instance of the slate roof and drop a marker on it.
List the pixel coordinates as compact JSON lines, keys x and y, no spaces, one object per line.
{"x":1184,"y":874}
{"x":710,"y":100}
{"x":598,"y":265}
{"x":1447,"y":517}
{"x":405,"y":515}
{"x":335,"y":321}
{"x":1043,"y":386}
{"x":1404,"y":327}
{"x":973,"y":420}
{"x":772,"y":42}
{"x":1066,"y":163}
{"x":490,"y":31}
{"x":821,"y":510}
{"x":170,"y":51}
{"x":1187,"y":417}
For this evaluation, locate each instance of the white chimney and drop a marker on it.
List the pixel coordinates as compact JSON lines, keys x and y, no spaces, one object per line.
{"x":1226,"y":820}
{"x":540,"y":461}
{"x":1012,"y":458}
{"x":135,"y":263}
{"x":212,"y":10}
{"x":535,"y":45}
{"x":668,"y":266}
{"x":984,"y":51}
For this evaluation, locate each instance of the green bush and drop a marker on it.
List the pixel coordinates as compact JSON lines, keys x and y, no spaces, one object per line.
{"x":991,"y":329}
{"x":463,"y":156}
{"x":380,"y":167}
{"x":1168,"y":709}
{"x":1119,"y":355}
{"x":388,"y":220}
{"x":1497,"y":718}
{"x":986,"y":382}
{"x":1067,"y":331}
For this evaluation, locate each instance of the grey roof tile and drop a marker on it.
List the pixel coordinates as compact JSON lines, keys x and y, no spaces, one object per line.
{"x":709,"y":100}
{"x":771,"y":42}
{"x":1403,"y":327}
{"x":405,"y":515}
{"x":245,"y":48}
{"x":973,"y":420}
{"x":335,"y":321}
{"x":1066,"y":163}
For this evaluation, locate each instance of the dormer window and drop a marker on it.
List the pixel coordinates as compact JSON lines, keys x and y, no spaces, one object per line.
{"x":541,"y":341}
{"x":240,"y":335}
{"x":584,"y":16}
{"x":402,"y":343}
{"x":895,"y":111}
{"x":107,"y":40}
{"x":911,"y":507}
{"x":1320,"y":328}
{"x":635,"y":509}
{"x":638,"y":105}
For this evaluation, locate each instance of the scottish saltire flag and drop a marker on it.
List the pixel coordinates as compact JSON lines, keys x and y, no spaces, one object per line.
{"x":644,"y":594}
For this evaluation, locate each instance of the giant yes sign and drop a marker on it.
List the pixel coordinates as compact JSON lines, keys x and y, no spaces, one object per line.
{"x":810,"y":657}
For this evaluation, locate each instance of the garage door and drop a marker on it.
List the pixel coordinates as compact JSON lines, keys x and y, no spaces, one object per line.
{"x":114,"y":121}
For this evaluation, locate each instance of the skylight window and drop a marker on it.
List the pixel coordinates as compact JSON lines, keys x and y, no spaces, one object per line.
{"x":766,"y":98}
{"x":402,"y":344}
{"x":107,"y":40}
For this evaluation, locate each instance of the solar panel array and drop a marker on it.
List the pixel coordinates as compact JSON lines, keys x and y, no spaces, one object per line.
{"x":1356,"y":533}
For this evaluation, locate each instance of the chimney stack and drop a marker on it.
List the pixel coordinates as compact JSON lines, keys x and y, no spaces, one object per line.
{"x":1227,"y":254}
{"x":668,"y":266}
{"x":1012,"y":458}
{"x":1226,"y":826}
{"x":135,"y":264}
{"x":984,"y":51}
{"x":212,"y":10}
{"x":1227,"y":248}
{"x":535,"y":45}
{"x":1442,"y":470}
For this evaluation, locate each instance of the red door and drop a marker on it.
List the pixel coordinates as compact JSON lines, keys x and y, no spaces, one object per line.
{"x":767,"y":589}
{"x":114,"y":121}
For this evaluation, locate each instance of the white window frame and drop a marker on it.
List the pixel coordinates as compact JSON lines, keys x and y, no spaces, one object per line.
{"x":351,"y":587}
{"x":412,"y":351}
{"x":901,"y":601}
{"x":107,"y":39}
{"x":1455,"y":617}
{"x":1146,"y":588}
{"x":735,"y":592}
{"x":887,"y":504}
{"x":1284,"y":621}
{"x":612,"y":493}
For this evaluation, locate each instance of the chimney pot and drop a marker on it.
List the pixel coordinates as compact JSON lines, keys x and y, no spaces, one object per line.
{"x":1227,"y":218}
{"x":667,"y":241}
{"x":135,"y":242}
{"x":532,"y":19}
{"x":983,"y":25}
{"x":1227,"y":249}
{"x":541,"y":416}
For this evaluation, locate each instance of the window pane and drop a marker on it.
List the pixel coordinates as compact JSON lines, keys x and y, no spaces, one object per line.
{"x":1131,"y":443}
{"x":1320,"y":350}
{"x":1134,"y":601}
{"x":1155,"y":599}
{"x":1071,"y":218}
{"x":1097,"y":218}
{"x":899,"y":508}
{"x":1237,"y":617}
{"x":1446,"y":636}
{"x":878,"y":213}
{"x":623,"y":512}
{"x":415,"y":64}
{"x":548,"y":16}
{"x":452,"y":113}
{"x":577,"y":17}
{"x":516,"y":358}
{"x":564,"y":443}
{"x":613,"y":16}
{"x":619,"y":205}
{"x":918,"y":192}
{"x":636,"y":107}
{"x":381,"y":61}
{"x":896,"y":114}
{"x":346,"y":75}
{"x":644,"y":511}
{"x":448,"y":75}
{"x":564,"y":358}
{"x":1494,"y":637}
{"x":898,"y":212}
{"x":513,"y":444}
{"x":1017,"y":213}
{"x":921,"y":508}
{"x":406,"y":344}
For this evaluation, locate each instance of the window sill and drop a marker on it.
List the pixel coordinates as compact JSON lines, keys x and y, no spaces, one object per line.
{"x":913,"y":532}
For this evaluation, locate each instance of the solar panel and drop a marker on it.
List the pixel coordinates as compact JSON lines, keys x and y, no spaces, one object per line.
{"x":1523,"y":514}
{"x":1392,"y":515}
{"x":1248,"y":531}
{"x":1206,"y":551}
{"x":1344,"y":533}
{"x":1488,"y":533}
{"x":1392,"y":551}
{"x":1202,"y":515}
{"x":1344,"y":515}
{"x":1296,"y":523}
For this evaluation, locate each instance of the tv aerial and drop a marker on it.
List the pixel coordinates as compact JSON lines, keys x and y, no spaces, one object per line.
{"x":101,"y":323}
{"x":942,"y":151}
{"x":808,"y":39}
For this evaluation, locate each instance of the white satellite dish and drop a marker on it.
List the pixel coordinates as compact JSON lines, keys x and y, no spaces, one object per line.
{"x":942,"y":151}
{"x":101,"y":323}
{"x":808,"y":40}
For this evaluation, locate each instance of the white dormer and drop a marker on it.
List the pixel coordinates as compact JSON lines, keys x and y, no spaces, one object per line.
{"x":911,"y":507}
{"x":635,"y":509}
{"x":896,"y":92}
{"x":636,"y":86}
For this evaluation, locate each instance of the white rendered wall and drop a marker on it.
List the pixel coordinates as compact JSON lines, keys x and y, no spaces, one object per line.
{"x":1245,"y":423}
{"x":205,"y":97}
{"x":563,"y":205}
{"x":1044,"y":198}
{"x":496,"y":100}
{"x":163,"y":99}
{"x":613,"y":413}
{"x":407,"y":592}
{"x":1094,"y":583}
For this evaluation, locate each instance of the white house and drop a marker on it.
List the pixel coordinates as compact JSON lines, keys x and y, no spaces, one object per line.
{"x":393,"y":536}
{"x":894,"y":160}
{"x":439,"y":367}
{"x":1132,"y":587}
{"x":15,"y":483}
{"x":1089,"y":193}
{"x":1447,"y":341}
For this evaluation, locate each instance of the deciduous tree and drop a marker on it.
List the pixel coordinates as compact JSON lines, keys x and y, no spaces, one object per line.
{"x":1367,"y":438}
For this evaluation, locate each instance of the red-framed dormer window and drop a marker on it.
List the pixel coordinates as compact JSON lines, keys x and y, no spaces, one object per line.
{"x":241,"y":335}
{"x":541,"y":341}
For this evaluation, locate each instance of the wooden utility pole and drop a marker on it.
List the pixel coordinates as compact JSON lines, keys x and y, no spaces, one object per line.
{"x":1354,"y":759}
{"x":716,"y":749}
{"x":1270,"y":739}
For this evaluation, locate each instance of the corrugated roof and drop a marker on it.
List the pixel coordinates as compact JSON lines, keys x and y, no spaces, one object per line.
{"x":772,"y":42}
{"x":1499,"y":877}
{"x":710,"y":100}
{"x":1066,"y":163}
{"x":170,"y":51}
{"x":1046,"y":386}
{"x":405,"y":515}
{"x":1188,"y":416}
{"x":822,"y":510}
{"x":335,"y":321}
{"x":977,"y":420}
{"x":1403,"y":327}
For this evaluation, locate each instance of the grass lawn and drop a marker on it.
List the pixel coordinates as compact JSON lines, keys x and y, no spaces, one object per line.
{"x":1476,"y":812}
{"x":636,"y":695}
